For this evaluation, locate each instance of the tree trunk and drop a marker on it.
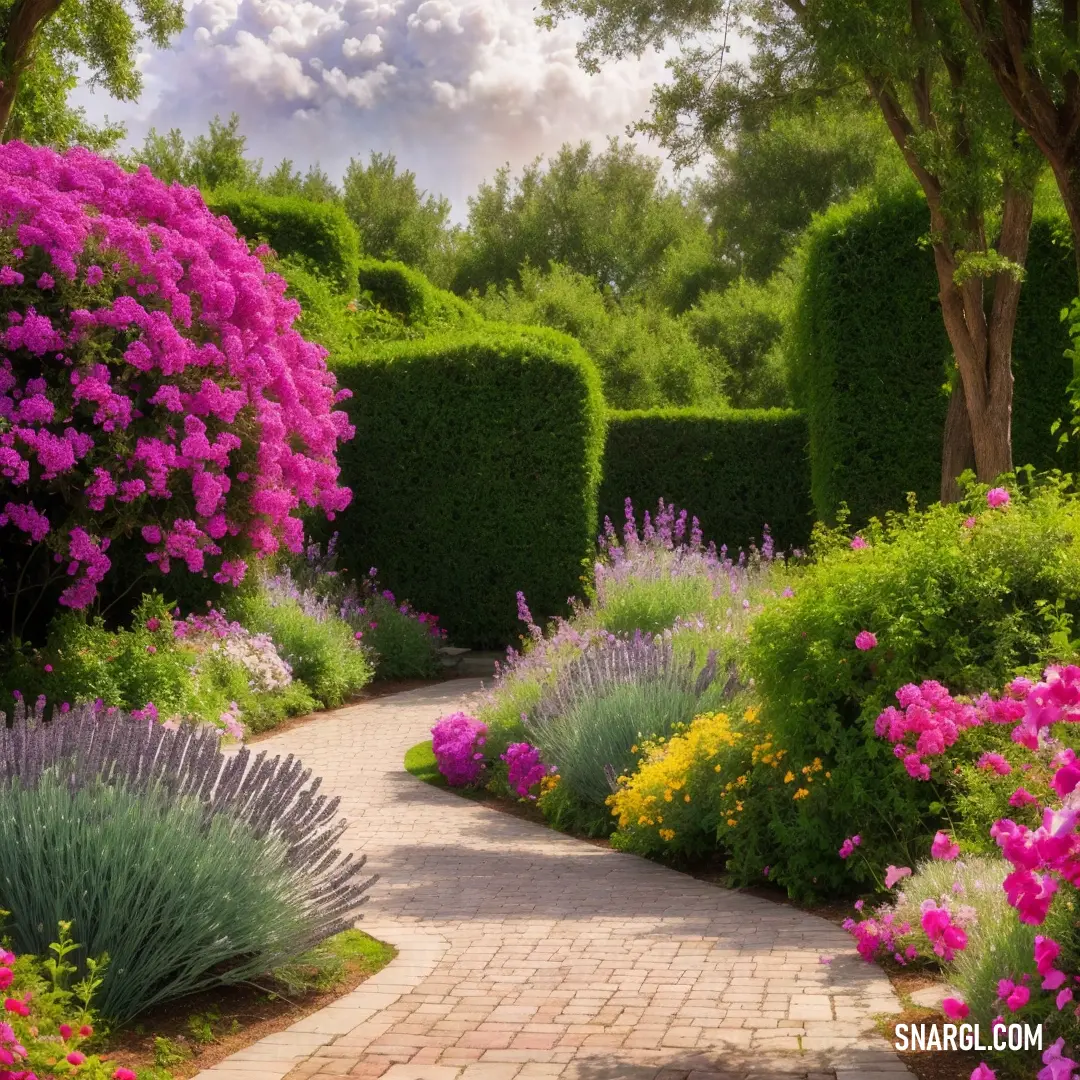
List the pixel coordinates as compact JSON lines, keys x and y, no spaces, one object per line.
{"x":19,"y":34}
{"x":958,"y":450}
{"x":8,"y":90}
{"x":982,"y":346}
{"x":1067,"y":175}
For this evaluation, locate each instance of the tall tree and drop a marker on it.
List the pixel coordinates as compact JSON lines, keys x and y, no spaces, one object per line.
{"x":608,"y":215}
{"x":776,"y":172}
{"x":216,"y":159}
{"x":103,"y":35}
{"x":921,"y":67}
{"x":1034,"y":53}
{"x":395,"y":218}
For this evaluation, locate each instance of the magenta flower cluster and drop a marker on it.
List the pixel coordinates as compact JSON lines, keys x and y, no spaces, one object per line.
{"x":456,"y":741}
{"x":927,"y":723}
{"x":524,"y":768}
{"x":152,"y":383}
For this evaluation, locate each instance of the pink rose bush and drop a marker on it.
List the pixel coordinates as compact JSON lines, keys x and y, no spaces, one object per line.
{"x":152,"y":385}
{"x":456,"y":741}
{"x":1038,"y":837}
{"x":34,"y":1043}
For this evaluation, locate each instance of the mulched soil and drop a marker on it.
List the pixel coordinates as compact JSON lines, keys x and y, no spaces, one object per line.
{"x":245,"y":1014}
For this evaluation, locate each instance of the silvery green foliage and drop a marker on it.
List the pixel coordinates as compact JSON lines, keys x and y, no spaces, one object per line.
{"x":274,"y":800}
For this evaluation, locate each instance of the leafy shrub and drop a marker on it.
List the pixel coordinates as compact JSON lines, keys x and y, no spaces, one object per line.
{"x":402,"y":643}
{"x":475,"y":468}
{"x":672,"y":804}
{"x":739,"y":470}
{"x":869,"y":353}
{"x":967,"y":597}
{"x":202,"y":668}
{"x":742,"y":327}
{"x":137,"y":420}
{"x":317,"y":234}
{"x":320,"y":647}
{"x":188,"y":868}
{"x":340,"y":320}
{"x":645,"y":356}
{"x":407,"y":294}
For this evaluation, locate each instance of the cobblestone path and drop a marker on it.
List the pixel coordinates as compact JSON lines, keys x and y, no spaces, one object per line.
{"x":525,"y":954}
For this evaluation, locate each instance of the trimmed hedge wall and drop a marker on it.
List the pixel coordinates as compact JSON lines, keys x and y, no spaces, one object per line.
{"x":737,"y":471}
{"x":319,"y":234}
{"x":869,"y":354}
{"x":474,"y":470}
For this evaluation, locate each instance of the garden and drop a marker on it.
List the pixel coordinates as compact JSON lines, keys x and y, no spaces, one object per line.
{"x":772,"y":514}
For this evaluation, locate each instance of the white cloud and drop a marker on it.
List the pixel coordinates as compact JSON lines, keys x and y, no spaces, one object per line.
{"x":454,"y":88}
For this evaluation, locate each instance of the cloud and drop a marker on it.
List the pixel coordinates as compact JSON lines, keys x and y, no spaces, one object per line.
{"x":455,"y":88}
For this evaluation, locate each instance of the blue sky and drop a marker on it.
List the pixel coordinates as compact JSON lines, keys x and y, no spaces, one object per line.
{"x":454,"y":88}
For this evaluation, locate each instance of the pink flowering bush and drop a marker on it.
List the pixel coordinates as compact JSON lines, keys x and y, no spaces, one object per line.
{"x":47,"y":1019}
{"x":1029,"y":948}
{"x":525,"y":769}
{"x":959,"y":600}
{"x":153,"y":389}
{"x":457,"y":742}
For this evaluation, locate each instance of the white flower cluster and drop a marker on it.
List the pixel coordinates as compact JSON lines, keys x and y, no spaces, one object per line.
{"x":256,"y":653}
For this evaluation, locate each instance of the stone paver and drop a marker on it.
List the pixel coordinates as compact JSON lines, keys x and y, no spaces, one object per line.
{"x":528,"y":955}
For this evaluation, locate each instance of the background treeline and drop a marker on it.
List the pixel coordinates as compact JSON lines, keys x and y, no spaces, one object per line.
{"x":680,"y":295}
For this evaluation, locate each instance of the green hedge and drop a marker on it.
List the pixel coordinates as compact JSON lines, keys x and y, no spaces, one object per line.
{"x":319,"y":234}
{"x":737,"y":471}
{"x":407,"y":293}
{"x":474,"y":470}
{"x":869,"y":353}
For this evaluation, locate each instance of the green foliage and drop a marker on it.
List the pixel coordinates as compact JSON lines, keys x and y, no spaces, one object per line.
{"x":314,"y":185}
{"x":102,"y":37}
{"x":402,"y":647}
{"x":645,"y":356}
{"x":607,"y":215}
{"x":214,"y":160}
{"x":398,"y":222}
{"x":968,"y":606}
{"x":175,"y":902}
{"x":474,"y":471}
{"x":319,"y":235}
{"x":869,"y":354}
{"x":564,"y":810}
{"x":741,"y":326}
{"x":737,"y":471}
{"x":339,"y":321}
{"x":769,"y":181}
{"x":128,"y":667}
{"x":602,"y":732}
{"x":322,"y":653}
{"x":409,"y":295}
{"x":42,"y":115}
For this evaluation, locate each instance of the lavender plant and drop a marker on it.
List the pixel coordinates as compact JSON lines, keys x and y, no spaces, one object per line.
{"x":402,"y":642}
{"x":604,"y":703}
{"x":188,"y":867}
{"x":322,"y":650}
{"x":650,"y":579}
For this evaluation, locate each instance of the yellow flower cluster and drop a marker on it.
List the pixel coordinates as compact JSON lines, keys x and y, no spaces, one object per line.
{"x":673,"y":794}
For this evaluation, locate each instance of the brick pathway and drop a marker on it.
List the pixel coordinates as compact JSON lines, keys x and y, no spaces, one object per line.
{"x":525,"y":954}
